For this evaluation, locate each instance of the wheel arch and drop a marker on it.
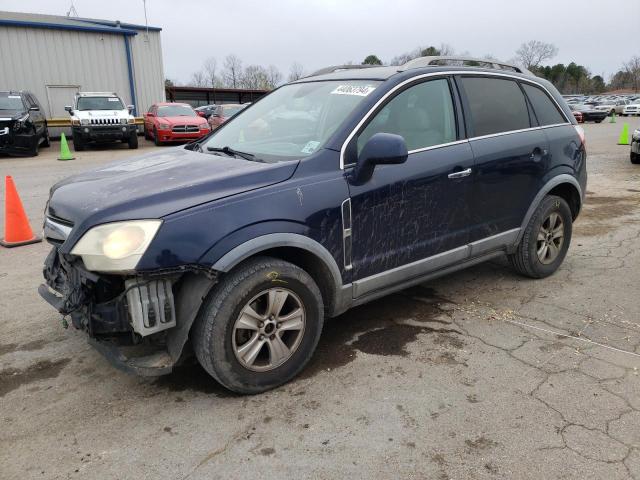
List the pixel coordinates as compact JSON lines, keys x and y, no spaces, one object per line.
{"x":564,"y":186}
{"x":302,"y":251}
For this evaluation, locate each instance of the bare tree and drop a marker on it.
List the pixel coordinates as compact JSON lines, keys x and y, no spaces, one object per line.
{"x":446,"y":50}
{"x":210,"y":72}
{"x":198,"y":79}
{"x":296,"y":72}
{"x":232,"y":74}
{"x":534,"y":52}
{"x":274,"y":76}
{"x":632,"y":68}
{"x":254,"y":77}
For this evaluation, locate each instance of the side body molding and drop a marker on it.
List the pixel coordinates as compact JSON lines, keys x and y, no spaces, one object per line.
{"x":273,"y":240}
{"x":554,"y":182}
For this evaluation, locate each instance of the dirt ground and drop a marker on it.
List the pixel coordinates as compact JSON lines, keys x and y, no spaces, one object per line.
{"x":479,"y":375}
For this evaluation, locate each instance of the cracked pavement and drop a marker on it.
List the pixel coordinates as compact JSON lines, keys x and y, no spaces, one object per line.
{"x":479,"y":375}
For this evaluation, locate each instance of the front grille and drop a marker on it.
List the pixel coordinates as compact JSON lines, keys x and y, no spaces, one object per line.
{"x":105,"y":121}
{"x":186,"y":129}
{"x":56,"y":230}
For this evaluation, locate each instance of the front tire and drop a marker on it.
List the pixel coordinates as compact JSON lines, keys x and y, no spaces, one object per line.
{"x":156,"y":137}
{"x":133,"y":141}
{"x":546,"y":239}
{"x":78,"y":145}
{"x":259,"y":326}
{"x":635,"y":158}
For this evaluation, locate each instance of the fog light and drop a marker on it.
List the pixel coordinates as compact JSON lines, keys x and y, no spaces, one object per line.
{"x":124,"y":129}
{"x":86,"y":130}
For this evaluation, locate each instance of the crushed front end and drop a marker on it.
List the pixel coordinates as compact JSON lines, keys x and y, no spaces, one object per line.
{"x":133,"y":319}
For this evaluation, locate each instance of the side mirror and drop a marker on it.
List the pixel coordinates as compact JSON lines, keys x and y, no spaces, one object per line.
{"x":69,"y":109}
{"x":130,"y":107}
{"x":150,"y":114}
{"x":380,"y":149}
{"x":34,"y":109}
{"x":200,"y":113}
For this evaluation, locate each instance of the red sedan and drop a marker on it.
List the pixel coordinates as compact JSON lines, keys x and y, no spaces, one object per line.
{"x":173,"y":122}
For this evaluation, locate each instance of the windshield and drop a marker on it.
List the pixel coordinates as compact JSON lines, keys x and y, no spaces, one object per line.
{"x":10,"y":102}
{"x":176,"y":111}
{"x":293,"y":121}
{"x":99,"y":103}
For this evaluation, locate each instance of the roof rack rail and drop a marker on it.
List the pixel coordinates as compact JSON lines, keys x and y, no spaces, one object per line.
{"x":456,"y":60}
{"x":337,"y":68}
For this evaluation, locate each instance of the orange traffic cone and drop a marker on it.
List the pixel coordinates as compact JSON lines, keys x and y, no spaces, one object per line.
{"x":17,"y":230}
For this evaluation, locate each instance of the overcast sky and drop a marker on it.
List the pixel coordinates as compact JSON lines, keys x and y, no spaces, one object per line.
{"x":316,"y":33}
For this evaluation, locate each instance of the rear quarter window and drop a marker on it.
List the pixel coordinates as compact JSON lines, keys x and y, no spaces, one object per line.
{"x":545,"y":110}
{"x":495,"y":105}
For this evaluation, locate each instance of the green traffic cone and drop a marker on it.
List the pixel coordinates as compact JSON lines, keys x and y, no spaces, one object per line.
{"x":624,"y":135}
{"x":613,"y":117}
{"x":65,"y":154}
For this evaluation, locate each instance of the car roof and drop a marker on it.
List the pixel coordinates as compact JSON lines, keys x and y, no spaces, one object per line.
{"x":97,"y":94}
{"x":166,"y":104}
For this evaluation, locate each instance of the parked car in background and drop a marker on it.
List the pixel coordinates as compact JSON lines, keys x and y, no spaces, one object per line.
{"x":173,"y":122}
{"x":612,"y":106}
{"x":23,"y":126}
{"x":99,"y":117}
{"x":635,"y":146}
{"x":223,"y":113}
{"x":241,"y":244}
{"x":631,"y":109}
{"x":206,"y":110}
{"x":589,"y":113}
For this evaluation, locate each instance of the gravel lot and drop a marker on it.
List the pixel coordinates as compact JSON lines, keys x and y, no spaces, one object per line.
{"x":482,"y":374}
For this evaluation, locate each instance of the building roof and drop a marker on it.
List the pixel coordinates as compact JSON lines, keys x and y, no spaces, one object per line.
{"x":57,"y":22}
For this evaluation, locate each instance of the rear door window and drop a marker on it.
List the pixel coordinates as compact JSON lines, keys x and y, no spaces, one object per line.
{"x":496,"y":105}
{"x":546,"y":111}
{"x":422,"y":114}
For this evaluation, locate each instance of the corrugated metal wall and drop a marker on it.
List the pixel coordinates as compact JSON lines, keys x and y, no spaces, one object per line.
{"x":148,"y":70}
{"x":32,"y":58}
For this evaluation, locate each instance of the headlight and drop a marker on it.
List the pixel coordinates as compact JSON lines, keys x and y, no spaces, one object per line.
{"x":116,"y":247}
{"x":636,"y":134}
{"x":204,"y":126}
{"x":163,"y":126}
{"x":123,"y":121}
{"x":84,"y":121}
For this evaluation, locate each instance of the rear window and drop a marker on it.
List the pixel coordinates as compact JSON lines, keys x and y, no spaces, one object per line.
{"x":496,"y":105}
{"x":546,"y":111}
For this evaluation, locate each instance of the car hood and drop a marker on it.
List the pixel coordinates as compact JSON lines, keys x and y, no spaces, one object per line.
{"x":182,"y":120}
{"x":156,"y":185}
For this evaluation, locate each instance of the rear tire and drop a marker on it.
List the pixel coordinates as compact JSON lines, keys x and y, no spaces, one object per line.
{"x":551,"y":225}
{"x":635,"y":158}
{"x":249,"y":295}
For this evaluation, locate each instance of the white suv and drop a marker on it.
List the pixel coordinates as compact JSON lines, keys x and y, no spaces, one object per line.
{"x":101,"y":117}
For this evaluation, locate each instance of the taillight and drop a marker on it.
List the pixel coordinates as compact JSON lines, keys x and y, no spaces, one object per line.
{"x":580,"y":132}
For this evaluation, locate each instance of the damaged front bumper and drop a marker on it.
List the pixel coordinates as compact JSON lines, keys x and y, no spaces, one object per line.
{"x":136,"y":322}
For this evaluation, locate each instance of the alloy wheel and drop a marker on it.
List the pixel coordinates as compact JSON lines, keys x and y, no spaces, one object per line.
{"x":269,"y":329}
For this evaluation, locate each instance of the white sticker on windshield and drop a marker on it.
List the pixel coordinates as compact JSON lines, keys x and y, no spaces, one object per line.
{"x":111,"y":99}
{"x":13,"y":96}
{"x":359,"y":90}
{"x":310,"y":147}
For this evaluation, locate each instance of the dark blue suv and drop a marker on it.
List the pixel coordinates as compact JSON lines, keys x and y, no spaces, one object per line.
{"x":327,"y":193}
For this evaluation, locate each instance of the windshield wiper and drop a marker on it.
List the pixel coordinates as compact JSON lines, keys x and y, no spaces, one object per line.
{"x":235,"y":153}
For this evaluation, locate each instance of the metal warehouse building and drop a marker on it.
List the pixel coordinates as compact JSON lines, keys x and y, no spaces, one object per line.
{"x":54,"y":57}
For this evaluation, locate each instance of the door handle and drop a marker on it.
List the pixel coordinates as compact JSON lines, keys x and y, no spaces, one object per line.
{"x":460,"y":174}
